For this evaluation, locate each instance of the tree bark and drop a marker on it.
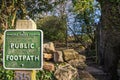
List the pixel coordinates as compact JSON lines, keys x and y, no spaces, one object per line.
{"x":110,"y":22}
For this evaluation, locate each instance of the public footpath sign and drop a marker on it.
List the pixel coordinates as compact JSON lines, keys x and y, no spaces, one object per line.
{"x":23,"y":49}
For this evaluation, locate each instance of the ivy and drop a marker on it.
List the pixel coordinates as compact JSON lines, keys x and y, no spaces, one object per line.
{"x":45,"y":75}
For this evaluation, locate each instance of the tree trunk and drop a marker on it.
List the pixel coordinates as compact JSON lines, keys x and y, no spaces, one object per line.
{"x":110,"y":22}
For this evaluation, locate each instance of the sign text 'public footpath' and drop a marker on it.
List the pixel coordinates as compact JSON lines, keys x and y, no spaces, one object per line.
{"x":23,"y":49}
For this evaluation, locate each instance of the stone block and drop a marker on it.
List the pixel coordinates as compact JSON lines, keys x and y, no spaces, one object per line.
{"x":65,"y":72}
{"x":22,"y":75}
{"x":25,"y":24}
{"x":77,"y":64}
{"x":81,"y":58}
{"x":48,"y":47}
{"x":84,"y":75}
{"x":71,"y":54}
{"x":58,"y":56}
{"x":47,"y":56}
{"x":48,"y":66}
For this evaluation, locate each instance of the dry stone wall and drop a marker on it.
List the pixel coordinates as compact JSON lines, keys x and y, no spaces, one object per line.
{"x":70,"y":64}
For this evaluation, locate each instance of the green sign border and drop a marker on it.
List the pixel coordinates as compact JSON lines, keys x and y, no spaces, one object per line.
{"x":41,"y":37}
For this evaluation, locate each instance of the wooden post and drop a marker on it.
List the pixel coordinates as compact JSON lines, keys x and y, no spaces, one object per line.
{"x":25,"y":74}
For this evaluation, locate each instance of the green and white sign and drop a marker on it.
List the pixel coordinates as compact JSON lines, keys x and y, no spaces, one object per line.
{"x":23,"y":49}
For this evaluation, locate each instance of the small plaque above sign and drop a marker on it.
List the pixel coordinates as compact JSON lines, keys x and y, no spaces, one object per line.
{"x":23,"y":49}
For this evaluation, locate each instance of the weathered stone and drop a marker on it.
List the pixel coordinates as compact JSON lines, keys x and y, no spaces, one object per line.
{"x":58,"y":56}
{"x":77,"y":64}
{"x":81,"y":49}
{"x":84,"y":75}
{"x":65,"y":72}
{"x":47,"y":47}
{"x":22,"y":75}
{"x":81,"y":58}
{"x":47,"y":56}
{"x":71,"y":54}
{"x":48,"y":66}
{"x":28,"y":24}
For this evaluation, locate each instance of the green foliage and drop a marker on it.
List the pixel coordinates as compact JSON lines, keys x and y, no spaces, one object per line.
{"x":6,"y":74}
{"x":36,"y":7}
{"x":45,"y":75}
{"x":85,"y":11}
{"x":86,"y":38}
{"x":11,"y":10}
{"x":82,"y":5}
{"x":86,"y":15}
{"x":53,"y":28}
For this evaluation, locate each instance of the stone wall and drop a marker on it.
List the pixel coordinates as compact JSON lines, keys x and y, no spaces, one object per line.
{"x":70,"y":64}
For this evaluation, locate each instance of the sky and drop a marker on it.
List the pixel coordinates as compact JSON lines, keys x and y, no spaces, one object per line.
{"x":71,"y":16}
{"x":71,"y":20}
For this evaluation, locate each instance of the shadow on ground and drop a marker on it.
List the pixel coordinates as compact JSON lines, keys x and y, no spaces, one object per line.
{"x":97,"y":72}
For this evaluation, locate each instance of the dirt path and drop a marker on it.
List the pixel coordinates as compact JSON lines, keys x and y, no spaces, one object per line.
{"x":98,"y":73}
{"x":92,"y":68}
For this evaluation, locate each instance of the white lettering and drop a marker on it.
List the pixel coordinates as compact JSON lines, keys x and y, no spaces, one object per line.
{"x":22,"y":58}
{"x":25,"y":46}
{"x":11,"y":57}
{"x":28,"y":58}
{"x":32,"y":45}
{"x":22,"y":45}
{"x":7,"y":57}
{"x":16,"y":58}
{"x":16,"y":46}
{"x":32,"y":57}
{"x":36,"y":58}
{"x":11,"y":45}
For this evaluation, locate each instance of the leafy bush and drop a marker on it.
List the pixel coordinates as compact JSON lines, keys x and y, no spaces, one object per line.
{"x":5,"y":74}
{"x":45,"y":75}
{"x":53,"y":27}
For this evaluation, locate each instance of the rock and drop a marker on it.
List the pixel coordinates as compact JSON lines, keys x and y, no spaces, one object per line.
{"x":77,"y":64}
{"x":47,"y":56}
{"x":48,"y":66}
{"x":48,"y":47}
{"x":58,"y":56}
{"x":84,"y":75}
{"x":71,"y":54}
{"x":28,"y":24}
{"x":81,"y":58}
{"x":81,"y":49}
{"x":65,"y":72}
